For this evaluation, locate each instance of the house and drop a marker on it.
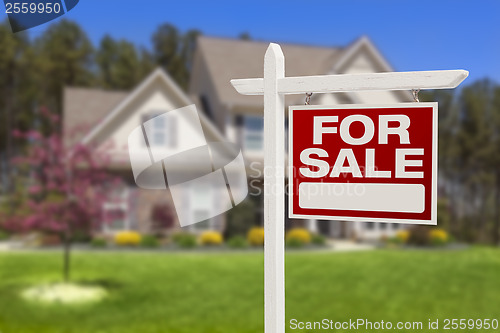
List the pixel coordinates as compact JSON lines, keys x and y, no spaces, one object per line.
{"x":224,"y":116}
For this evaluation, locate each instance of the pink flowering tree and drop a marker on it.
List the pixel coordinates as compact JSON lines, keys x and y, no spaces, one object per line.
{"x":66,"y":187}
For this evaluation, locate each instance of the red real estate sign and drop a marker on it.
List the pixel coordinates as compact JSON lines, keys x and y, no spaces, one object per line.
{"x":364,"y":162}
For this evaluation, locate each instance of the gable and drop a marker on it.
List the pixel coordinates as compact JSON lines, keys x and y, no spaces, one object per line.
{"x":148,"y":103}
{"x":155,"y":95}
{"x":363,"y":57}
{"x":362,"y":54}
{"x":362,"y":62}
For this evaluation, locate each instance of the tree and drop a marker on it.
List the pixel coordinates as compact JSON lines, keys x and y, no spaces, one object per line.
{"x":187,"y":50}
{"x":240,"y":219}
{"x":147,"y":63}
{"x":16,"y":92}
{"x":469,"y":173}
{"x":65,"y":56}
{"x":449,"y":174}
{"x":120,"y":66}
{"x":66,"y":187}
{"x":174,"y":51}
{"x":245,"y":36}
{"x":495,"y":161}
{"x":477,"y":153}
{"x":105,"y":58}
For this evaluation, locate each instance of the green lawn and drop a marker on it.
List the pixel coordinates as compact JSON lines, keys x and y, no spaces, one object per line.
{"x":178,"y":292}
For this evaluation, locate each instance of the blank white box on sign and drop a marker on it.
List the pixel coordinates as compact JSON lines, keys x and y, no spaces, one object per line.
{"x":403,"y":198}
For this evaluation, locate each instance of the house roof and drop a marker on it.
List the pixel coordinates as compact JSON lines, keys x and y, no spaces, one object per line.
{"x":228,"y":59}
{"x":94,"y":109}
{"x":84,"y":108}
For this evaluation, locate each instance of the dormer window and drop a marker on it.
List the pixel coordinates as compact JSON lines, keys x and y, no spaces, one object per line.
{"x":159,"y":133}
{"x":163,"y":132}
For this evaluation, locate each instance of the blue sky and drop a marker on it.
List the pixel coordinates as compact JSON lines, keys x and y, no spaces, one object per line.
{"x":412,"y":35}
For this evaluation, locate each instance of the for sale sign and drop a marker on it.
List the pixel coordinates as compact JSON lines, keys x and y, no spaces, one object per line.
{"x":364,"y":162}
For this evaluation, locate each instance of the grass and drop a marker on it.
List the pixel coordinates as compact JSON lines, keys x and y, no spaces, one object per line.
{"x":181,"y":292}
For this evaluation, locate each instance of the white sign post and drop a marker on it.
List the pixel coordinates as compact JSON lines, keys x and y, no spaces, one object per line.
{"x":274,"y":86}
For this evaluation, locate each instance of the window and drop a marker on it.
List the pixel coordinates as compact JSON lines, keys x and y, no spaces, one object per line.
{"x":201,"y":201}
{"x":115,"y":217}
{"x":115,"y":212}
{"x":383,"y":226}
{"x":253,"y":133}
{"x":159,"y":131}
{"x":163,"y":131}
{"x":369,"y":225}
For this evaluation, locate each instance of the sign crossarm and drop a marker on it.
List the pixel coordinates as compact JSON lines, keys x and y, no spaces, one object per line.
{"x":446,"y":79}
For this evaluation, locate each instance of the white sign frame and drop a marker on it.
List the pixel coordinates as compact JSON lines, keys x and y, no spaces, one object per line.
{"x":434,"y":105}
{"x":274,"y":86}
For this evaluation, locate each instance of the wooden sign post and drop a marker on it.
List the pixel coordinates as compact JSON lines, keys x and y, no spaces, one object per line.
{"x":274,"y":86}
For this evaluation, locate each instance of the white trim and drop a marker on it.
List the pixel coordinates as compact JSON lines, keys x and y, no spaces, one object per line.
{"x":432,"y":221}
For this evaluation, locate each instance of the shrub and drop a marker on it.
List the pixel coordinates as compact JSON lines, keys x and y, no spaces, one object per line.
{"x":438,"y":237}
{"x":184,"y":240}
{"x":255,"y":236}
{"x":318,"y":239}
{"x":128,"y":238}
{"x":81,"y":236}
{"x":402,"y":236}
{"x":211,"y":238}
{"x":3,"y":235}
{"x":443,"y":213}
{"x":149,"y":241}
{"x":237,"y":242}
{"x":294,"y":242}
{"x":98,"y":242}
{"x":298,"y":235}
{"x":177,"y":236}
{"x":419,"y":235}
{"x":240,"y":219}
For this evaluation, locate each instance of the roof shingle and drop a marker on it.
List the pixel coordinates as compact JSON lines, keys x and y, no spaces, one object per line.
{"x":84,"y":108}
{"x":228,"y":59}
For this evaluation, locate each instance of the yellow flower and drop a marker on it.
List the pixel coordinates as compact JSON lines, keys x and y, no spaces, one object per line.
{"x":403,"y":235}
{"x":255,"y":236}
{"x":211,"y":238}
{"x":127,"y":238}
{"x":300,"y":235}
{"x":438,"y":235}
